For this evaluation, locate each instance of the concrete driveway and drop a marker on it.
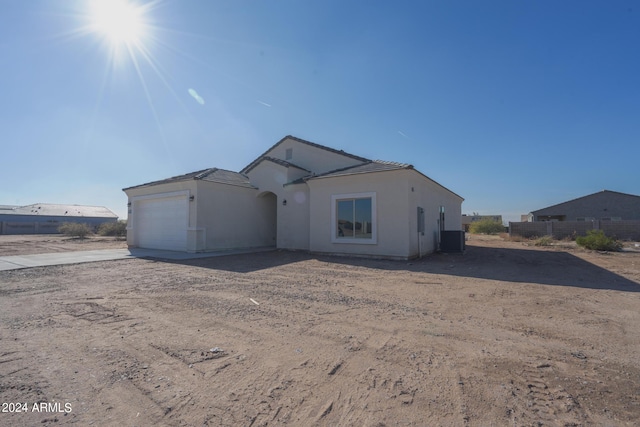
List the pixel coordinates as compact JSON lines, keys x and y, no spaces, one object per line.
{"x":76,"y":257}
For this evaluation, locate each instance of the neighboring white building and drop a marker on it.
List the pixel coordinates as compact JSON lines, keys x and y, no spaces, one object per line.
{"x":298,"y":195}
{"x":46,"y":218}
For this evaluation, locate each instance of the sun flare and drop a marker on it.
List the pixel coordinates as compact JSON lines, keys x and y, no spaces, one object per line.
{"x":120,"y":21}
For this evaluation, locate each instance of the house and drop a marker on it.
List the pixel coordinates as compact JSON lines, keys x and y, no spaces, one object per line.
{"x":45,"y":218}
{"x":297,"y":195}
{"x":604,"y":205}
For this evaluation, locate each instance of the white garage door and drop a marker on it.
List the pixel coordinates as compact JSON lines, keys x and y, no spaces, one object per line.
{"x":161,"y":223}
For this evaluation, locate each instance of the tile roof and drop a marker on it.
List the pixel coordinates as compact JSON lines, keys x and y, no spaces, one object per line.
{"x":312,"y":144}
{"x":368,"y":167}
{"x":50,"y":209}
{"x":178,"y":178}
{"x":240,"y":179}
{"x":223,"y":176}
{"x":280,"y":162}
{"x":212,"y":175}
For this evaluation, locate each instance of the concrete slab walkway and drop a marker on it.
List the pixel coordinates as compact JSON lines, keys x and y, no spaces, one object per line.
{"x":75,"y":257}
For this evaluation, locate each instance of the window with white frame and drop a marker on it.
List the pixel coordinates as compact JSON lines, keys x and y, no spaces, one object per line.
{"x":353,"y":218}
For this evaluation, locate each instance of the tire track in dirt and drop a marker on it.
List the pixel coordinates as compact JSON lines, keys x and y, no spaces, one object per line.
{"x":330,"y":342}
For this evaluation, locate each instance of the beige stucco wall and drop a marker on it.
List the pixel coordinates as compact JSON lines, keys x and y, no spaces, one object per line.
{"x":161,"y":190}
{"x":398,"y":195}
{"x":430,"y":196}
{"x":230,"y":216}
{"x":314,"y":159}
{"x":292,"y":218}
{"x":391,"y":213}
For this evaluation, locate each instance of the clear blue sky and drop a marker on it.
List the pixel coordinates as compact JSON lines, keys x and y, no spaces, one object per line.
{"x":514,"y":105}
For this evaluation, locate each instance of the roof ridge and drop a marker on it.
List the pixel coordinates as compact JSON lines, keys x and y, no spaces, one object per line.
{"x":303,"y":141}
{"x":341,"y":169}
{"x":182,"y":177}
{"x":59,"y":204}
{"x":389,"y":162}
{"x":283,"y":162}
{"x":205,"y":173}
{"x":57,"y":209}
{"x":324,"y":147}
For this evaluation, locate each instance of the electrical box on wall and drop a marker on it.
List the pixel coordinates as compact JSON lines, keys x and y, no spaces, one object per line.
{"x":420,"y":220}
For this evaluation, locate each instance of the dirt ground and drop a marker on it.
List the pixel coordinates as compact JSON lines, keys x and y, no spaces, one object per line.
{"x":507,"y":334}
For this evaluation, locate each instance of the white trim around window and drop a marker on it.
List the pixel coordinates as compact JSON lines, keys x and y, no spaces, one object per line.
{"x":365,"y":237}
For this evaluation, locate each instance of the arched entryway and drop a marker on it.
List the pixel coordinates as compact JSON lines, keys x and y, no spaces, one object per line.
{"x":268,"y":217}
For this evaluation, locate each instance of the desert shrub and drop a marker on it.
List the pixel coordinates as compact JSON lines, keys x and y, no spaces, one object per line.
{"x":117,"y":229}
{"x":598,"y":241}
{"x":486,"y":226}
{"x":74,"y":229}
{"x":543,"y":241}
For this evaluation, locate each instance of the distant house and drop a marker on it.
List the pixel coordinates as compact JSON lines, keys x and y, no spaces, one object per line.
{"x":468,"y":219}
{"x":297,"y":195}
{"x":45,"y":218}
{"x":605,"y":206}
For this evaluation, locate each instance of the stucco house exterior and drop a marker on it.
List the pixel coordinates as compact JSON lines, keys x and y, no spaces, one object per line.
{"x":297,"y":195}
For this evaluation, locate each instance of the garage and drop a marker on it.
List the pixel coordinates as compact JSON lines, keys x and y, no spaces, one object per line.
{"x":161,"y":222}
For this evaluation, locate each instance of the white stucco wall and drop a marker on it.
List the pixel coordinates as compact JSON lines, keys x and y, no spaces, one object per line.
{"x":292,"y":218}
{"x":230,"y":216}
{"x":430,"y":196}
{"x":392,"y":204}
{"x":398,"y":194}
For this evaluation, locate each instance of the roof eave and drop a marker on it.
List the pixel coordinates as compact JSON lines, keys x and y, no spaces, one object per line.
{"x":352,"y":173}
{"x":215,"y":181}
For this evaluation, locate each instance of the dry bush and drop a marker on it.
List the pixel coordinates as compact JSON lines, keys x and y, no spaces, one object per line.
{"x":596,"y":240}
{"x":486,"y":226}
{"x":544,"y":241}
{"x":117,"y":229}
{"x":75,"y":229}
